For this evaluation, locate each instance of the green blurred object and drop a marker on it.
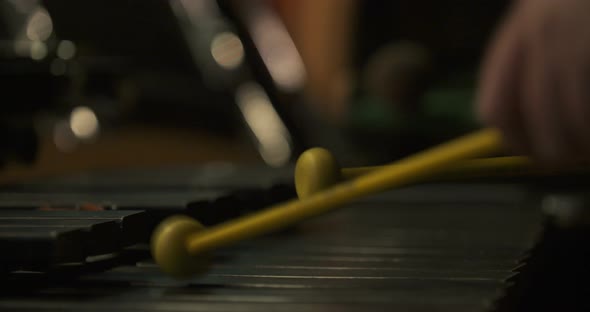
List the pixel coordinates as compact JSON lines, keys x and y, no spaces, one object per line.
{"x":440,"y":107}
{"x":444,"y":112}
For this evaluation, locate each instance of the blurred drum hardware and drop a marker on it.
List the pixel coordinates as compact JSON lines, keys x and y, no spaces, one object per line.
{"x":170,"y":63}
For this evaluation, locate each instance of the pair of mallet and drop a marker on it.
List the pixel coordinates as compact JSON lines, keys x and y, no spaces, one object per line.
{"x":180,"y":244}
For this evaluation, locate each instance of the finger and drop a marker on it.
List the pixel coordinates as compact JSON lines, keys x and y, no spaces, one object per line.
{"x":498,"y":93}
{"x":573,"y":50}
{"x":544,"y":121}
{"x":576,"y":101}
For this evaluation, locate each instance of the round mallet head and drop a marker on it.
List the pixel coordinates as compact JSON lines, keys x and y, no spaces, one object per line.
{"x":316,"y":170}
{"x":170,"y":247}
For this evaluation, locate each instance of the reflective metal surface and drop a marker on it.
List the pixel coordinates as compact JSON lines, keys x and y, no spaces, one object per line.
{"x":445,"y":247}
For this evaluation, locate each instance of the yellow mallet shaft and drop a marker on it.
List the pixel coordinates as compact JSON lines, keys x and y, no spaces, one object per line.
{"x":317,"y":170}
{"x":482,"y":167}
{"x":405,"y":171}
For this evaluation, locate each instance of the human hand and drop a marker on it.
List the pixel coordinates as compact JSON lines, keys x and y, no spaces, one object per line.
{"x":535,"y":82}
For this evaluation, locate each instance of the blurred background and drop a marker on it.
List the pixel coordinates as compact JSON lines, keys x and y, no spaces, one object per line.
{"x":96,"y":85}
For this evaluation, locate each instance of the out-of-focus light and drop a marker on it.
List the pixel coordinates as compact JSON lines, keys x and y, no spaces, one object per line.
{"x":39,"y":25}
{"x":227,"y":50}
{"x":274,"y":143}
{"x":566,"y":209}
{"x":277,"y":153}
{"x":63,"y":137}
{"x":84,"y":123}
{"x":66,"y":50}
{"x":277,"y":50}
{"x":57,"y":67}
{"x":38,"y":50}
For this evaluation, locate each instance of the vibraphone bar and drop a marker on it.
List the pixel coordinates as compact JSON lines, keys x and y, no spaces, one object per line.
{"x":38,"y":239}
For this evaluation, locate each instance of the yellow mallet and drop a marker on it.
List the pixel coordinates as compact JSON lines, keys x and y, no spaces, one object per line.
{"x":180,"y":244}
{"x":317,"y":169}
